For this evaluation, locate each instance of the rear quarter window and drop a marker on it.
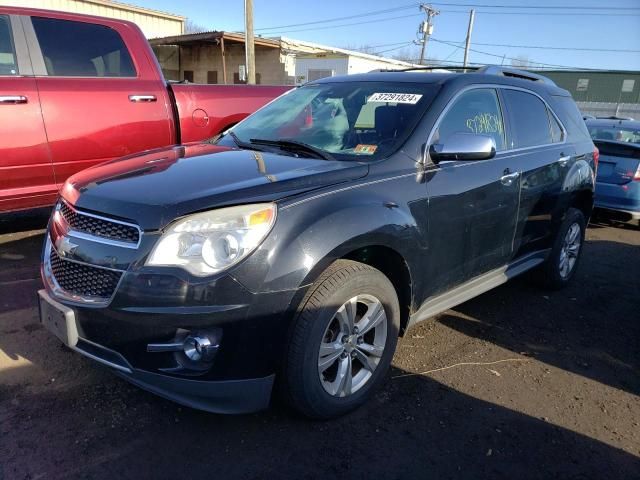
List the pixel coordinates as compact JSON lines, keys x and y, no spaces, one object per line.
{"x":571,"y":118}
{"x":79,"y":49}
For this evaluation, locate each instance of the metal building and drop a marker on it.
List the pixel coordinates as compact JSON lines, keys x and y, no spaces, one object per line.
{"x":152,"y":22}
{"x":601,"y":92}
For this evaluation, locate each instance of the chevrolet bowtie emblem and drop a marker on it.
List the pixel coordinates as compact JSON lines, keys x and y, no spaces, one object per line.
{"x":65,"y":247}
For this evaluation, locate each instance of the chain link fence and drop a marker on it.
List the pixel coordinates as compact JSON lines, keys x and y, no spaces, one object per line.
{"x":606,"y":109}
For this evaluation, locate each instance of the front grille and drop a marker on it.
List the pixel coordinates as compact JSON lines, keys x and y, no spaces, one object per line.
{"x":83,"y":280}
{"x":99,"y":227}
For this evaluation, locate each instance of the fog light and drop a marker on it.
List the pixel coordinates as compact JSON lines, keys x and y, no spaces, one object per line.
{"x":199,"y":348}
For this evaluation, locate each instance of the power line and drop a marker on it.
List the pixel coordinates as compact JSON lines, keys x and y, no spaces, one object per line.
{"x":536,"y":7}
{"x":343,"y":24}
{"x":550,"y":48}
{"x":547,"y":14}
{"x":336,"y":19}
{"x":509,"y":58}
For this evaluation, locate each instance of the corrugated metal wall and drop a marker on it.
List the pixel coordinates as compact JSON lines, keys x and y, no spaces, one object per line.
{"x":153,"y":25}
{"x":588,"y":86}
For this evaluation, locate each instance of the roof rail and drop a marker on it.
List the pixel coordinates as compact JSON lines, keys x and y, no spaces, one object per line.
{"x":415,"y":69}
{"x":516,"y":73}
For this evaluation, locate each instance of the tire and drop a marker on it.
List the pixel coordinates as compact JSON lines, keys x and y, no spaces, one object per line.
{"x":317,"y":384}
{"x":554,"y":274}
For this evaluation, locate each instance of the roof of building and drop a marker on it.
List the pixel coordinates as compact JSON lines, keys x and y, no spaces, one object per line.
{"x":288,"y":44}
{"x":211,"y":37}
{"x":135,"y":8}
{"x":311,"y":47}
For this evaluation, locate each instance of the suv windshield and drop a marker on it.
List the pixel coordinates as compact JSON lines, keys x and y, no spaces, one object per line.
{"x":345,"y":120}
{"x":621,"y":134}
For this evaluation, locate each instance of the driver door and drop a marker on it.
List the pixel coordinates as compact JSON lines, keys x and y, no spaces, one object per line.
{"x":473,"y":205}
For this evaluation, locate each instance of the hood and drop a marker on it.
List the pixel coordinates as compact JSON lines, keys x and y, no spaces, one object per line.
{"x":154,"y":188}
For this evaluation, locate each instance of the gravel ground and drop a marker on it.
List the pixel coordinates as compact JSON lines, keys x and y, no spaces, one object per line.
{"x":517,"y":383}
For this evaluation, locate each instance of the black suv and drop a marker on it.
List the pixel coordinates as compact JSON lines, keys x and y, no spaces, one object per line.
{"x":293,"y":249}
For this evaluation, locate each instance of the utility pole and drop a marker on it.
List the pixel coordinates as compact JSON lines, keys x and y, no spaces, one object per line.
{"x":249,"y":46}
{"x":472,"y":14}
{"x":426,"y":29}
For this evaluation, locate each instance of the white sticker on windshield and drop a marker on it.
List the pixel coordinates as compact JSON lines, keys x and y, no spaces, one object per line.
{"x":411,"y":98}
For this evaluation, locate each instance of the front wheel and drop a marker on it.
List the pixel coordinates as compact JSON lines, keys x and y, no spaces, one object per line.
{"x":562,"y":262}
{"x":342,"y":341}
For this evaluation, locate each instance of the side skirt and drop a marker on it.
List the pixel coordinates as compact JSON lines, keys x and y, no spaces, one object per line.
{"x":477,"y":286}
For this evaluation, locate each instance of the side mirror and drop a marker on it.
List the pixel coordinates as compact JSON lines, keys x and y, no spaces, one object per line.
{"x":463,"y":146}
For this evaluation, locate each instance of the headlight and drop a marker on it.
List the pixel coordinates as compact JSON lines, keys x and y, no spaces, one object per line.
{"x":206,"y":243}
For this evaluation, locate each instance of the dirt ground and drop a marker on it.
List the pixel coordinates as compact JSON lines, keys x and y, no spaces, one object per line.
{"x":518,"y":384}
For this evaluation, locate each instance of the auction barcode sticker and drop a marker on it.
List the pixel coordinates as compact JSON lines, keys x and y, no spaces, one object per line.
{"x":411,"y":98}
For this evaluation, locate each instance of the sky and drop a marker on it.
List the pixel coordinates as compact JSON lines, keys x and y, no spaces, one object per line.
{"x":590,"y":25}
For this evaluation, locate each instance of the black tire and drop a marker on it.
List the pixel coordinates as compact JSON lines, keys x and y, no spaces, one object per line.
{"x":343,"y":280}
{"x":549,"y":275}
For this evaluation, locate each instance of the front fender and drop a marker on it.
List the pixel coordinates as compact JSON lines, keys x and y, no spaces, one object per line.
{"x":310,"y":235}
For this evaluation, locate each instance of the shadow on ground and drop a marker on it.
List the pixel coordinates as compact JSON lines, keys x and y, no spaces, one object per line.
{"x":82,"y":422}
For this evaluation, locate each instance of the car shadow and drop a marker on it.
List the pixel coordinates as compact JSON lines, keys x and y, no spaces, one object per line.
{"x":24,"y":221}
{"x":83,"y":422}
{"x":590,"y":328}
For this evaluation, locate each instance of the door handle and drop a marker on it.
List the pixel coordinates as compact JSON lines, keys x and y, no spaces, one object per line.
{"x":509,"y":177}
{"x":142,"y":98}
{"x":12,"y":99}
{"x":564,"y":159}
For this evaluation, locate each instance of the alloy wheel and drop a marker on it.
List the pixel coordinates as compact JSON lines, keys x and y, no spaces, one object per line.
{"x":352,"y":345}
{"x":570,"y":250}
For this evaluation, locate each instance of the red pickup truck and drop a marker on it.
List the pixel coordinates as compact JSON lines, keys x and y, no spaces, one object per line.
{"x":77,"y":90}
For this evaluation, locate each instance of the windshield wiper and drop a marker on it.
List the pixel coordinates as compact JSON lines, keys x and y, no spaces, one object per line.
{"x":294,"y":146}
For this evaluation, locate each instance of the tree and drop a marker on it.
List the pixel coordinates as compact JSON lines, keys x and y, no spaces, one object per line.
{"x":192,"y":27}
{"x":521,"y":61}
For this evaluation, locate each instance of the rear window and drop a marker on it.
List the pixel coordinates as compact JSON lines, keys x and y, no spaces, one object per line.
{"x":78,"y":49}
{"x":529,"y":119}
{"x":7,"y":52}
{"x":622,"y":134}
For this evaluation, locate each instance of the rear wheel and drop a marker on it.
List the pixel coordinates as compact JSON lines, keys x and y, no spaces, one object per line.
{"x":343,"y":340}
{"x":562,"y":262}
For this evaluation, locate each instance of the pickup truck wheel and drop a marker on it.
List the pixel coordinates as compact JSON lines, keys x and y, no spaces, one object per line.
{"x":342,"y":341}
{"x":562,"y":263}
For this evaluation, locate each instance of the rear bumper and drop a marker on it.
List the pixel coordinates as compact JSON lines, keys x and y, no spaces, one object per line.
{"x":618,"y":213}
{"x":619,"y":200}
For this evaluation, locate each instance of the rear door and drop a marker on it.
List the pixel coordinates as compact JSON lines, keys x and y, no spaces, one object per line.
{"x":99,"y":100}
{"x":26,"y":174}
{"x":472,"y":204}
{"x":537,"y":142}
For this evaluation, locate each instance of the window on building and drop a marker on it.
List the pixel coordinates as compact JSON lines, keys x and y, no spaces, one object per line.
{"x":316,"y":74}
{"x":236,"y":78}
{"x":529,"y":119}
{"x":212,"y":76}
{"x":188,"y":75}
{"x":78,"y":49}
{"x":476,"y":111}
{"x":7,"y":52}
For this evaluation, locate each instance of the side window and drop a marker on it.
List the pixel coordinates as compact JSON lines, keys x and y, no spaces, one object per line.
{"x":476,"y":111}
{"x":8,"y":64}
{"x":529,"y":119}
{"x":78,"y":49}
{"x":556,"y":129}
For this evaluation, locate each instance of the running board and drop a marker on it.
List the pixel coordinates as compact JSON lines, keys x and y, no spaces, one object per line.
{"x":476,"y":286}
